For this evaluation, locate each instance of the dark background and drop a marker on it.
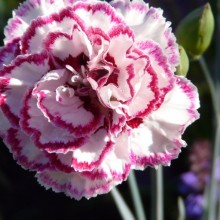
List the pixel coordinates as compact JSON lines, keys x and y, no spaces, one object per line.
{"x":22,"y":198}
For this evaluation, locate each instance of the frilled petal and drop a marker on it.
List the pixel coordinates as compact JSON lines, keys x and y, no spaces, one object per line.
{"x":27,"y":12}
{"x":62,"y":106}
{"x":25,"y":151}
{"x":158,"y":65}
{"x":74,"y":184}
{"x":158,"y":139}
{"x":33,"y":39}
{"x":5,"y":125}
{"x":61,"y":44}
{"x":149,"y":23}
{"x":117,"y":164}
{"x":116,"y":49}
{"x":97,"y":14}
{"x":101,"y":167}
{"x":123,"y":83}
{"x":133,"y":12}
{"x":16,"y":78}
{"x":117,"y":121}
{"x":9,"y":52}
{"x":146,"y":96}
{"x":44,"y":134}
{"x":89,"y":155}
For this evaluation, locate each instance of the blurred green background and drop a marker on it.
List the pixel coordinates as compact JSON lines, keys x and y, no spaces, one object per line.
{"x":22,"y":198}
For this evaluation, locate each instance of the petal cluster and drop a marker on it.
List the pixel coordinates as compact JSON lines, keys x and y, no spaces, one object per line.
{"x":88,"y":92}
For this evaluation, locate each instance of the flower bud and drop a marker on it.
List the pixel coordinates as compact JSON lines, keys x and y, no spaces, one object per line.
{"x":183,"y":67}
{"x":195,"y":31}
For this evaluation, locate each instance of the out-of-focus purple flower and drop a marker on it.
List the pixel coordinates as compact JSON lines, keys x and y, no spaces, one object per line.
{"x":194,"y":206}
{"x":192,"y":184}
{"x":189,"y":182}
{"x":198,"y":176}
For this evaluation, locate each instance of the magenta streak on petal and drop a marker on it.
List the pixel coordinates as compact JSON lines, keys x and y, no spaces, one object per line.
{"x":24,"y":161}
{"x":141,"y":7}
{"x":52,"y":37}
{"x":95,"y":174}
{"x":130,"y":68}
{"x":153,"y":86}
{"x":2,"y":99}
{"x":157,"y":53}
{"x":190,"y":92}
{"x":121,"y":176}
{"x":121,"y":29}
{"x":13,"y":25}
{"x":95,"y":33}
{"x":113,"y":78}
{"x":110,"y":60}
{"x":118,"y":125}
{"x":152,"y":160}
{"x":85,"y":166}
{"x":46,"y":20}
{"x":59,"y":165}
{"x":4,"y":82}
{"x":10,"y":50}
{"x":75,"y":62}
{"x":173,"y":56}
{"x":53,"y":146}
{"x":99,"y":6}
{"x":161,"y":60}
{"x":99,"y":75}
{"x":135,"y":122}
{"x":71,"y":191}
{"x":27,"y":6}
{"x":14,"y":120}
{"x":131,"y":74}
{"x":38,"y":59}
{"x":77,"y":130}
{"x":101,"y":174}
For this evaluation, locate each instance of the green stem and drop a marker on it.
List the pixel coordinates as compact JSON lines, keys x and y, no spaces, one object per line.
{"x":218,"y":211}
{"x":139,"y":210}
{"x":121,"y":205}
{"x":181,"y":209}
{"x":217,"y":69}
{"x":211,"y":203}
{"x":213,"y":187}
{"x":211,"y":85}
{"x":157,"y":212}
{"x":159,"y":195}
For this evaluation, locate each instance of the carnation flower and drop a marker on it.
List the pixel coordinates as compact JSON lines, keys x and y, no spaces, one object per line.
{"x":88,"y":92}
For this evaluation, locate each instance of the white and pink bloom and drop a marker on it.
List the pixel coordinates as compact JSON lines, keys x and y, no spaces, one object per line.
{"x":88,"y":92}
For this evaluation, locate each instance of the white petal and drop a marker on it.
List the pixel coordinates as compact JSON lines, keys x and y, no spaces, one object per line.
{"x":25,"y":151}
{"x":158,"y":139}
{"x":74,"y":184}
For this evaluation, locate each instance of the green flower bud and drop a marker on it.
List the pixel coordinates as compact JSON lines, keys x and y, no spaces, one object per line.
{"x":183,"y":67}
{"x":195,"y":31}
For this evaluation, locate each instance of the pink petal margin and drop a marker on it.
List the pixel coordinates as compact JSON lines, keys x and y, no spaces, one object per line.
{"x":25,"y":152}
{"x":158,"y":140}
{"x":74,"y":184}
